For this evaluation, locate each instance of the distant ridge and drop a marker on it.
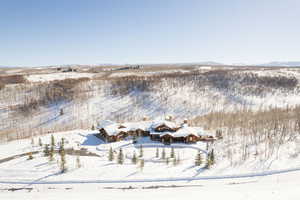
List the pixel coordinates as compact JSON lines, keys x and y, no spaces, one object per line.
{"x":282,"y":64}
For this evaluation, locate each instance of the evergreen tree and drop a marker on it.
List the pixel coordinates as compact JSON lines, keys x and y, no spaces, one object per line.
{"x":30,"y":157}
{"x":52,"y":140}
{"x":142,"y":164}
{"x":174,"y":161}
{"x":157,"y":153}
{"x":167,"y":161}
{"x":93,"y":127}
{"x":163,"y":154}
{"x":51,"y":153}
{"x":141,"y":151}
{"x":32,"y":141}
{"x":172,"y":154}
{"x":78,"y":163}
{"x":208,"y":162}
{"x":212,"y":157}
{"x":61,"y":112}
{"x":134,"y":159}
{"x":63,"y":163}
{"x":178,"y":159}
{"x":110,"y":154}
{"x":46,"y":150}
{"x":198,"y":160}
{"x":134,"y":139}
{"x":40,"y":142}
{"x":120,"y":157}
{"x":62,"y":145}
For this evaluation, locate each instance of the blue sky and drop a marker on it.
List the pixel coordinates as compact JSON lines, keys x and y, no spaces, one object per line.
{"x":37,"y":32}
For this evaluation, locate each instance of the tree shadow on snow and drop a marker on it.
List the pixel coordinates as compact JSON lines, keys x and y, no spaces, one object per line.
{"x":199,"y":171}
{"x":37,"y":180}
{"x":133,"y":173}
{"x":190,"y":167}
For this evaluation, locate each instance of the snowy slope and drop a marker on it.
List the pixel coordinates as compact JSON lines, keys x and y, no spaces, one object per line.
{"x":181,"y":97}
{"x":39,"y":179}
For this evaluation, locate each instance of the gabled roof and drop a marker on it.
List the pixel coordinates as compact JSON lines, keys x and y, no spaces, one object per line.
{"x":167,"y":133}
{"x":158,"y":123}
{"x":111,"y":128}
{"x":185,"y":131}
{"x":142,"y":125}
{"x":104,"y":123}
{"x":200,"y":131}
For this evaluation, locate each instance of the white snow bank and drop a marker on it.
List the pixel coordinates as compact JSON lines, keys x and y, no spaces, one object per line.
{"x":57,"y":76}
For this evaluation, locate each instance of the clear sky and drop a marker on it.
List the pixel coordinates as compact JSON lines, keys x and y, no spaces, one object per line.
{"x":48,"y":32}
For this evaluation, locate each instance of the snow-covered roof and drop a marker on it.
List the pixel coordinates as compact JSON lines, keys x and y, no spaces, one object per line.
{"x":200,"y":131}
{"x":185,"y":131}
{"x":158,"y":123}
{"x":104,"y":123}
{"x":167,"y":133}
{"x":113,"y":128}
{"x":142,"y":125}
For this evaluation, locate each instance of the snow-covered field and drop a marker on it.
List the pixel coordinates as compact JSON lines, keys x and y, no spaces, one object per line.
{"x":41,"y":179}
{"x":57,"y":76}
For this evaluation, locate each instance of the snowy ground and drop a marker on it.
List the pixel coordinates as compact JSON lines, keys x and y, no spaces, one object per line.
{"x":57,"y":76}
{"x":39,"y":179}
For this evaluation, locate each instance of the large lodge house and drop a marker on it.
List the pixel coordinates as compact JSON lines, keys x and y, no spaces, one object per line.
{"x":164,"y":131}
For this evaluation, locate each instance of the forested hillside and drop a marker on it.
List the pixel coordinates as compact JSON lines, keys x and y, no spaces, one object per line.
{"x":52,"y":102}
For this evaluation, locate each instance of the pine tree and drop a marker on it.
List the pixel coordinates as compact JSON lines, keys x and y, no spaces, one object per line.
{"x":110,"y":154}
{"x":142,"y":164}
{"x":198,"y":160}
{"x":178,"y":159}
{"x":78,"y":163}
{"x":172,"y":154}
{"x":52,"y":140}
{"x":40,"y":142}
{"x":46,"y":150}
{"x":208,"y":162}
{"x":174,"y":161}
{"x":62,"y":145}
{"x":30,"y":157}
{"x":163,"y":154}
{"x":61,"y":112}
{"x":51,"y":153}
{"x":134,"y":159}
{"x":32,"y":141}
{"x":212,"y":157}
{"x":120,"y":157}
{"x":134,"y":139}
{"x":141,"y":151}
{"x":62,"y":153}
{"x":157,"y":153}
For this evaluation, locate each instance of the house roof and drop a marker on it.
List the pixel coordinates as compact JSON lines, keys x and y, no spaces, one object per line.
{"x":185,"y":131}
{"x":104,"y":123}
{"x":142,"y":125}
{"x":113,"y":128}
{"x":158,"y":123}
{"x":167,"y":133}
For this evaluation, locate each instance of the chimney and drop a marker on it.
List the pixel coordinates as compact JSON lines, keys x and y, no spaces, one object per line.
{"x":185,"y":123}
